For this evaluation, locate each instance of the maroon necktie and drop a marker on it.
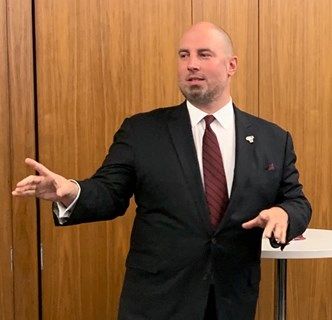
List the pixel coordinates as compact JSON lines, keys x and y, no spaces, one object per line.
{"x":214,"y":174}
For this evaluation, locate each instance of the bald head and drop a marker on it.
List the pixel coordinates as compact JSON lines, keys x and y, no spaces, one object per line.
{"x":219,"y":34}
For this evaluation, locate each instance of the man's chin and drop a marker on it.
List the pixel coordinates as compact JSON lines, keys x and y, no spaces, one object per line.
{"x":195,"y":91}
{"x":195,"y":94}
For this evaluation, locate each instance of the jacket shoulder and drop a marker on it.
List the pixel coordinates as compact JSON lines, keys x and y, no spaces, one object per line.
{"x":157,"y":114}
{"x":258,"y":122}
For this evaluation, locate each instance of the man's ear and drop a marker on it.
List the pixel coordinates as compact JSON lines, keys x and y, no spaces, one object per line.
{"x":232,"y":65}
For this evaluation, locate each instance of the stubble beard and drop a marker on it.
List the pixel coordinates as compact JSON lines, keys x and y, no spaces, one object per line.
{"x":196,"y":95}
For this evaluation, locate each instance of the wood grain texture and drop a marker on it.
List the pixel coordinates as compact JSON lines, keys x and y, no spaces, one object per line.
{"x":240,"y":19}
{"x":98,"y":62}
{"x":6,"y":274}
{"x":242,"y":25}
{"x":20,"y":68}
{"x":296,"y":92}
{"x":22,"y":143}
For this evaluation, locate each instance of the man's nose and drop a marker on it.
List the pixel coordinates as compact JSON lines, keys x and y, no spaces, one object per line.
{"x":193,"y":64}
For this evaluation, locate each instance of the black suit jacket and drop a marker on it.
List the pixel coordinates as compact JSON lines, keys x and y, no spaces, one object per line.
{"x":174,"y":253}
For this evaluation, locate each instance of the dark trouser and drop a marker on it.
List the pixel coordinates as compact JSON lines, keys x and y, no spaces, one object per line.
{"x":211,"y":312}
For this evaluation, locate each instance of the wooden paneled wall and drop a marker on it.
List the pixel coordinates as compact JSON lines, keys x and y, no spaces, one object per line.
{"x":102,"y":60}
{"x":18,"y":226}
{"x":295,"y":90}
{"x":6,"y":275}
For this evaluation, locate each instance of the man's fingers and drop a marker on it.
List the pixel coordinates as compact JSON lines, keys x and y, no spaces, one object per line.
{"x":30,"y":180}
{"x":25,"y":191}
{"x":252,"y":223}
{"x":42,"y":170}
{"x":27,"y":185}
{"x":273,"y":220}
{"x":30,"y":193}
{"x":43,"y":185}
{"x":279,"y":233}
{"x":269,"y":228}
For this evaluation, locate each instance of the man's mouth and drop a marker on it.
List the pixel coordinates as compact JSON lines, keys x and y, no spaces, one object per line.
{"x":195,"y":79}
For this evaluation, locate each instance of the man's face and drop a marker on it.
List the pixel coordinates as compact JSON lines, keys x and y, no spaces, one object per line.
{"x":205,"y":66}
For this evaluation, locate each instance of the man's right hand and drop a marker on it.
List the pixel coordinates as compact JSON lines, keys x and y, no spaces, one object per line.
{"x":46,"y":185}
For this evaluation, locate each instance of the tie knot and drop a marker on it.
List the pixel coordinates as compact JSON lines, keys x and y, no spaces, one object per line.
{"x":209,"y":119}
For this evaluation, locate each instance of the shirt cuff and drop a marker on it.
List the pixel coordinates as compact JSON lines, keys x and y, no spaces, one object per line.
{"x":61,"y":211}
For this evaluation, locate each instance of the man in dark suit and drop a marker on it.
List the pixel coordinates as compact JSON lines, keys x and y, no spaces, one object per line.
{"x":208,"y":179}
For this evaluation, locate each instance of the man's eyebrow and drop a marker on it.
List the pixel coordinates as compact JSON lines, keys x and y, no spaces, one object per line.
{"x":198,"y":50}
{"x":204,"y":49}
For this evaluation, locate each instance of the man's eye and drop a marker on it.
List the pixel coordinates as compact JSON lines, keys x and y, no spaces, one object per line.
{"x":183,"y":55}
{"x":205,"y":55}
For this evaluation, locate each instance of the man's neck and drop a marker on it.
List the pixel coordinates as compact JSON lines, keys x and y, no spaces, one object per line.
{"x":213,"y":107}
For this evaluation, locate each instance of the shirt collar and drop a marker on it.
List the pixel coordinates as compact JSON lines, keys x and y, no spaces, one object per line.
{"x":225,"y":115}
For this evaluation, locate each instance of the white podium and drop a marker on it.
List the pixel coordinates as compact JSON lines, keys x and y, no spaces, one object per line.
{"x":317,"y":244}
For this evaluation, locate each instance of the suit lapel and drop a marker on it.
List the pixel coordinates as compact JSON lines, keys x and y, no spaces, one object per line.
{"x":244,"y":157}
{"x":181,"y":133}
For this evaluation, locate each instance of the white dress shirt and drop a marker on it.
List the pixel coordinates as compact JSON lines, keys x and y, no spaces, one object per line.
{"x":223,"y":127}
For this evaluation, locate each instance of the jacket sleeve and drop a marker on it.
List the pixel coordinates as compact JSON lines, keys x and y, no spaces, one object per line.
{"x":291,"y":197}
{"x":106,"y":194}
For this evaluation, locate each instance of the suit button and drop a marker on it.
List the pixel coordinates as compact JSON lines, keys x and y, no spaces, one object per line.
{"x":214,"y":241}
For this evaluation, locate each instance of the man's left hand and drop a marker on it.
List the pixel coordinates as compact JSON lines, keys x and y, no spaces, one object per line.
{"x":274,"y":221}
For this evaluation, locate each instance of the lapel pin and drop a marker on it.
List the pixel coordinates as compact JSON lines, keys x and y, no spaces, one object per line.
{"x":250,"y":139}
{"x":270,"y":167}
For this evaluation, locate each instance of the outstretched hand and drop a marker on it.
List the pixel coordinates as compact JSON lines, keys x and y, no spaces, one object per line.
{"x":274,"y":221}
{"x":46,"y":185}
